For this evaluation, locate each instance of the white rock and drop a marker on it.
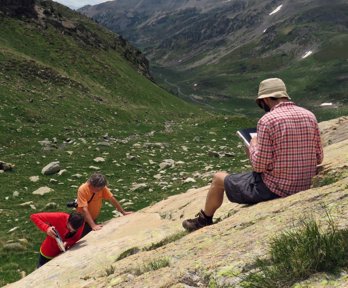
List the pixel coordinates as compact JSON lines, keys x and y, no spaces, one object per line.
{"x":128,"y":203}
{"x":77,"y":175}
{"x":51,"y":205}
{"x":99,"y":159}
{"x":189,"y":180}
{"x":15,"y":194}
{"x":136,"y":186}
{"x":61,"y":172}
{"x":34,"y":178}
{"x":325,"y":104}
{"x":167,"y":163}
{"x":13,"y":229}
{"x":94,"y":167}
{"x":308,"y":53}
{"x":42,"y":190}
{"x":276,"y":10}
{"x":26,"y":203}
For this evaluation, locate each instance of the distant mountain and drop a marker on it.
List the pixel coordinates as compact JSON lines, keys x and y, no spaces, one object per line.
{"x":211,"y":50}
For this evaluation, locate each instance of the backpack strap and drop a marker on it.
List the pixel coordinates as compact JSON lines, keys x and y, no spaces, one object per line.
{"x":91,"y":198}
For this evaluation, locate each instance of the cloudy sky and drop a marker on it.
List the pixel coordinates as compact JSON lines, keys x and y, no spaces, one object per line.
{"x":74,"y":4}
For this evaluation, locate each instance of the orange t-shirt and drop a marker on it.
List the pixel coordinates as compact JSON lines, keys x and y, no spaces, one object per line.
{"x":84,"y":194}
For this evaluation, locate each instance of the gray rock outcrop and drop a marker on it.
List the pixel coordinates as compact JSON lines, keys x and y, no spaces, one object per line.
{"x":51,"y":168}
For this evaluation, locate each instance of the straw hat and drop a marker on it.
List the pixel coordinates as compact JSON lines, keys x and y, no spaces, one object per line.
{"x":272,"y":87}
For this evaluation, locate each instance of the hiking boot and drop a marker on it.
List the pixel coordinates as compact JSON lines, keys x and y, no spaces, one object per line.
{"x":199,"y":222}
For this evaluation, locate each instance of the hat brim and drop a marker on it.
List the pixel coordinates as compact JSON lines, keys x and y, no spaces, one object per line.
{"x":277,"y":94}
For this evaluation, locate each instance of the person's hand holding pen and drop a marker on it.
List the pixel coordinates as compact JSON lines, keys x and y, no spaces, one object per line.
{"x":51,"y":232}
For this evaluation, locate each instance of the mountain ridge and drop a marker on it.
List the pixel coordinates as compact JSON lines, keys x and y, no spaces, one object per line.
{"x":222,"y":50}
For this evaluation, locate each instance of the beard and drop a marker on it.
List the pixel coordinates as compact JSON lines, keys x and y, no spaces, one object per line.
{"x":264,"y":106}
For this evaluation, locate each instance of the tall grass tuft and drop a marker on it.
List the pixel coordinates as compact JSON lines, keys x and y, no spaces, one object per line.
{"x":152,"y":266}
{"x":296,"y":255}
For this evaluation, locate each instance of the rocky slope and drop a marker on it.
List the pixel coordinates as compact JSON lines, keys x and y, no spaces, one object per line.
{"x":218,"y":255}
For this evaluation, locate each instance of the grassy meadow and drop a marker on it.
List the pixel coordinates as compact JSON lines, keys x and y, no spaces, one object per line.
{"x":70,"y":95}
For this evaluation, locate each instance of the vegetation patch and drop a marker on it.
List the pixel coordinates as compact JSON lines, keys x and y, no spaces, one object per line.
{"x":110,"y":270}
{"x":129,"y":252}
{"x":296,"y":255}
{"x":327,"y":179}
{"x":152,"y":266}
{"x":167,"y":240}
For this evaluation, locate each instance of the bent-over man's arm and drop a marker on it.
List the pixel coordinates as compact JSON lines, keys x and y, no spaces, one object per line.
{"x":89,"y":220}
{"x":118,"y":206}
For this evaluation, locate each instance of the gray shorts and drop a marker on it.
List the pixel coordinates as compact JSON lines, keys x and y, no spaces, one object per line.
{"x":247,"y":188}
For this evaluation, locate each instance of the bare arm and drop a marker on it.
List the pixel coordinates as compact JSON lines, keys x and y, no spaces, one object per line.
{"x":118,"y":206}
{"x":89,"y":220}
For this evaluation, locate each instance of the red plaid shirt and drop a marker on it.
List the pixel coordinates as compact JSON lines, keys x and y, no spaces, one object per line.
{"x":288,"y":149}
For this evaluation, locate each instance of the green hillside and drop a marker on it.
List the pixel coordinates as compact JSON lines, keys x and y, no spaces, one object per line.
{"x":68,"y":72}
{"x":71,"y":91}
{"x":230,"y":83}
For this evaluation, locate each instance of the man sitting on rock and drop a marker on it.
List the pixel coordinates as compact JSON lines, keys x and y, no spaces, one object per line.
{"x":89,"y":201}
{"x":284,"y":156}
{"x":67,"y":228}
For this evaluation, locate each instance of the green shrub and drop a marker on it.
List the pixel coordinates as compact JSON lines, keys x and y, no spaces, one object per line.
{"x":296,"y":255}
{"x":152,"y":266}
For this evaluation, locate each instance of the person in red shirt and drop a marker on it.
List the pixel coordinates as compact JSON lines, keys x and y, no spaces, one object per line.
{"x":284,"y":156}
{"x":90,"y":197}
{"x":69,"y":228}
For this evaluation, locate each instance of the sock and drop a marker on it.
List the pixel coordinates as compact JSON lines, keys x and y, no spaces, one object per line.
{"x":209,"y":218}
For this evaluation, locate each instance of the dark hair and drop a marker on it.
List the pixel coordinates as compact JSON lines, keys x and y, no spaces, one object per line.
{"x":97,"y":180}
{"x":76,"y":220}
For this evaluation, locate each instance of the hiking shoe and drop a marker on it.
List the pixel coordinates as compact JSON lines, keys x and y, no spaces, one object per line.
{"x":197,"y":223}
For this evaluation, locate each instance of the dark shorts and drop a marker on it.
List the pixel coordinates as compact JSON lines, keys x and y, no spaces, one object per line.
{"x":42,"y":260}
{"x":247,"y":188}
{"x":86,"y":230}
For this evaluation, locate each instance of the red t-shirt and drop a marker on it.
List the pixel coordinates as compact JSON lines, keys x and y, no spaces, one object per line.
{"x":49,"y":247}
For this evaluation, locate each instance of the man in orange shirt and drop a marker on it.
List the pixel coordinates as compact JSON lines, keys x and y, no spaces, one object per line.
{"x":90,"y":196}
